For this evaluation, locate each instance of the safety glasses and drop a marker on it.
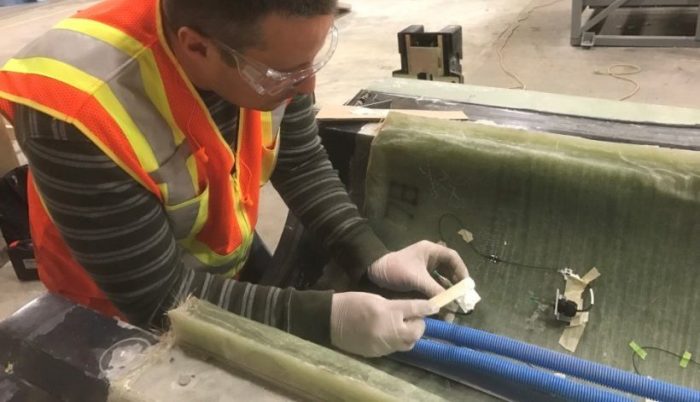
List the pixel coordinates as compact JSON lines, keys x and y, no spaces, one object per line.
{"x":268,"y":81}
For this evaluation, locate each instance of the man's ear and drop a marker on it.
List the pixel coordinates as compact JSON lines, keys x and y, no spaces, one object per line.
{"x":194,"y":44}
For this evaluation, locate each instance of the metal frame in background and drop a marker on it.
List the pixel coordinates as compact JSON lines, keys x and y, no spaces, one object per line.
{"x":584,"y":34}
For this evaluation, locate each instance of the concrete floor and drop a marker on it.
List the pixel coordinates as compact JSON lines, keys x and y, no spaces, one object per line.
{"x":538,"y":52}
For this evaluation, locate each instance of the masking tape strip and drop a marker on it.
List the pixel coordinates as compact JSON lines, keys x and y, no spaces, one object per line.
{"x":686,"y":359}
{"x":570,"y":338}
{"x":575,"y":286}
{"x":451,"y":294}
{"x":638,"y":350}
{"x":592,"y":275}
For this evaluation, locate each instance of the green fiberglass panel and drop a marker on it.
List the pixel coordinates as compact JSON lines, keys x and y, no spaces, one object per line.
{"x":545,"y":202}
{"x":304,"y":369}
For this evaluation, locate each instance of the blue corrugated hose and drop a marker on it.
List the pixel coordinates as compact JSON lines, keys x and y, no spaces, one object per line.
{"x":455,"y":357}
{"x":559,"y":362}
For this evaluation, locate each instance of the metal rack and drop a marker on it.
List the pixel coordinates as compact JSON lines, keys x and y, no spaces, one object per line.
{"x":589,"y":33}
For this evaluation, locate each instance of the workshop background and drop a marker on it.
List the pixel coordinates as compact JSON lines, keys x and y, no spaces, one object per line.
{"x":506,"y":43}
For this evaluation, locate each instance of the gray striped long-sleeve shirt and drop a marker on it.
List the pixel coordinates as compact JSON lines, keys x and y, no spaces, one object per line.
{"x":118,"y":231}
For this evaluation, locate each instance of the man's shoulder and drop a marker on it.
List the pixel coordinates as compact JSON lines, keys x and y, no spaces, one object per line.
{"x":32,"y":124}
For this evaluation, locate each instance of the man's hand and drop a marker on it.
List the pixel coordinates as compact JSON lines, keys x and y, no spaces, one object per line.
{"x":372,"y":326}
{"x":410,"y":269}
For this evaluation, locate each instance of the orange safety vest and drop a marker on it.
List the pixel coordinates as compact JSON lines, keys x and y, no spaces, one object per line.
{"x":109,"y":71}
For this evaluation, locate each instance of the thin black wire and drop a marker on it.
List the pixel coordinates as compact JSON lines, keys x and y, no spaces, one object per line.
{"x":583,"y":310}
{"x":495,"y":259}
{"x":492,"y":258}
{"x":635,"y":356}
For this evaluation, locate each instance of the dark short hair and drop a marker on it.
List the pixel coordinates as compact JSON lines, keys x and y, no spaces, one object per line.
{"x":236,"y":22}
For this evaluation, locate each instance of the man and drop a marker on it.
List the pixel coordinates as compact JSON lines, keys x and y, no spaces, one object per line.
{"x":150,"y":127}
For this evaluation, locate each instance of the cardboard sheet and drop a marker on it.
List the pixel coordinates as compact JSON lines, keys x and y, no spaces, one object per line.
{"x":340,"y":112}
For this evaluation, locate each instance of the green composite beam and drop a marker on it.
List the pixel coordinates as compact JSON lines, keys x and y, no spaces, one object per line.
{"x":548,"y":202}
{"x":540,"y":101}
{"x":305,"y":370}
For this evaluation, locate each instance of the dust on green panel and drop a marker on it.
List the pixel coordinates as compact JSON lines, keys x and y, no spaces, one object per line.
{"x":550,"y":202}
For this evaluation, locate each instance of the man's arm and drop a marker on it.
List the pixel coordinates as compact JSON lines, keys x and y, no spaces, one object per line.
{"x":306,"y":181}
{"x":118,"y":231}
{"x":311,"y":188}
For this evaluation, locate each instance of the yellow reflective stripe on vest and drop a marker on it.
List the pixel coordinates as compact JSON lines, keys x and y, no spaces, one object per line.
{"x":269,"y":137}
{"x":153,"y":88}
{"x":202,"y":258}
{"x":184,"y":206}
{"x":91,"y":85}
{"x":104,"y":32}
{"x":241,"y":216}
{"x":149,"y":68}
{"x":80,"y":126}
{"x":137,"y":74}
{"x":188,"y":217}
{"x":176,"y":178}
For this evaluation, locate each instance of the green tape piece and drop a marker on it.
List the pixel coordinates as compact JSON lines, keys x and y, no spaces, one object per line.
{"x":638,"y":350}
{"x":686,"y":359}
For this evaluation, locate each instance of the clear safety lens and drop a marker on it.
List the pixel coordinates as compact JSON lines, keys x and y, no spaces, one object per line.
{"x":268,"y":81}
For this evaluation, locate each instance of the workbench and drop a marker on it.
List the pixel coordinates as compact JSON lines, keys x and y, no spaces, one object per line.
{"x":519,"y":303}
{"x":53,"y":347}
{"x":643,"y":23}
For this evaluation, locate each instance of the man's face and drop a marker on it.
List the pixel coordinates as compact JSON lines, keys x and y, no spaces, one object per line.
{"x":288,"y":44}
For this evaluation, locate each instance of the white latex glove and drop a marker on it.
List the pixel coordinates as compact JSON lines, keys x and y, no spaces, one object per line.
{"x":370,"y":325}
{"x":409,"y":269}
